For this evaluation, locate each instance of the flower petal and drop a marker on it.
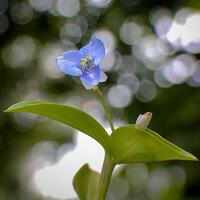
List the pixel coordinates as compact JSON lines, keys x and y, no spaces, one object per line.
{"x":68,"y":67}
{"x":95,"y":49}
{"x":86,"y":84}
{"x":92,"y":78}
{"x":103,"y":76}
{"x":73,"y":56}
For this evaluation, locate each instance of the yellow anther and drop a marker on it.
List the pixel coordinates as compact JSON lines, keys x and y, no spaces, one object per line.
{"x":87,"y":63}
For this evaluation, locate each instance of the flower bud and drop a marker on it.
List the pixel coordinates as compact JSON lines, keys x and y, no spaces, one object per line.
{"x":143,"y":120}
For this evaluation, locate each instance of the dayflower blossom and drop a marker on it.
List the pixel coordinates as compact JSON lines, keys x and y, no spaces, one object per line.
{"x":84,"y":63}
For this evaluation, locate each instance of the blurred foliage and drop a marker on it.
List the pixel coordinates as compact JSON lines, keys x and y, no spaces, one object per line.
{"x":31,"y":38}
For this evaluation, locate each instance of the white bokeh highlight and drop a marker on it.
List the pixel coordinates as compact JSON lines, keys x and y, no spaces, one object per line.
{"x":56,"y":180}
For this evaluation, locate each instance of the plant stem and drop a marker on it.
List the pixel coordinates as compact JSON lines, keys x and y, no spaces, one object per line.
{"x":108,"y":164}
{"x":105,"y":177}
{"x":98,"y":92}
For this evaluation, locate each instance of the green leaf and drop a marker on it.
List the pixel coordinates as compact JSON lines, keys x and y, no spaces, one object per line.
{"x":68,"y":115}
{"x":86,"y":182}
{"x":134,"y":145}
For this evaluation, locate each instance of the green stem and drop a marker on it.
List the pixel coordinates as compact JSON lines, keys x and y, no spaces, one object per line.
{"x":106,"y":173}
{"x":98,"y":92}
{"x":108,"y":164}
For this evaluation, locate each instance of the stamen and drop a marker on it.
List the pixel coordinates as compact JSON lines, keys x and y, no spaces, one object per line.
{"x":87,"y":64}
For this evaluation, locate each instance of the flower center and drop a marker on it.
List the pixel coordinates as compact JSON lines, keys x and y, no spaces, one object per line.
{"x":87,"y":64}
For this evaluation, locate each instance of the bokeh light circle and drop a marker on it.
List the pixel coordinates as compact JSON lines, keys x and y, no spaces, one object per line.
{"x":130,"y":80}
{"x":147,"y":91}
{"x":99,"y":3}
{"x":119,"y":96}
{"x":68,"y":8}
{"x":41,"y":5}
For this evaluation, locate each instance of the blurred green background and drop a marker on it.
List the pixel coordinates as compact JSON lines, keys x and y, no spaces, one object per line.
{"x":152,"y":63}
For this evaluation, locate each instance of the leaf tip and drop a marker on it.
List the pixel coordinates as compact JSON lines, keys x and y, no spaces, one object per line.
{"x":191,"y":157}
{"x":9,"y":109}
{"x":18,"y":106}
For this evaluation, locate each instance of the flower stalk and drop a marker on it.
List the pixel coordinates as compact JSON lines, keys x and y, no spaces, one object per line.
{"x":108,"y":164}
{"x":105,"y":177}
{"x":98,"y":93}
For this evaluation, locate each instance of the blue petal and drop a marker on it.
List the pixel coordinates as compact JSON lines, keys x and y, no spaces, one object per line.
{"x":86,"y":84}
{"x":95,"y":49}
{"x":73,"y":56}
{"x":68,"y":67}
{"x":92,"y":78}
{"x":103,"y":76}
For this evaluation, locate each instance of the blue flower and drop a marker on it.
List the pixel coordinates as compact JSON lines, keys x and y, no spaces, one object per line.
{"x":85,"y":63}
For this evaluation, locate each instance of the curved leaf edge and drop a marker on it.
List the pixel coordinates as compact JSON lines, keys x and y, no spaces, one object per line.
{"x":26,"y":104}
{"x":90,"y":179}
{"x":191,"y":157}
{"x":156,"y":136}
{"x":185,"y":155}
